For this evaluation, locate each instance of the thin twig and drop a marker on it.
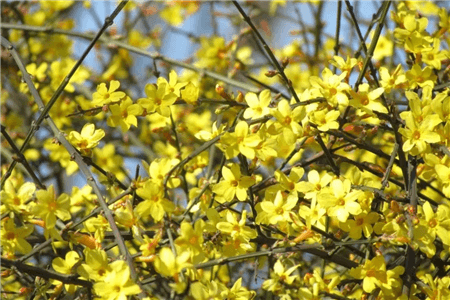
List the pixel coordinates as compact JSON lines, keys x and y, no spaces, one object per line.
{"x":21,"y":158}
{"x":268,"y":50}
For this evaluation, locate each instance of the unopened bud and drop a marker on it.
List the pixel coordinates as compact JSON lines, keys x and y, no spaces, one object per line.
{"x":349,"y":148}
{"x":246,"y":30}
{"x":374,"y":130}
{"x":271,"y":73}
{"x":240,"y":97}
{"x":395,"y":207}
{"x":221,"y":91}
{"x":400,"y":219}
{"x":285,"y":62}
{"x":221,"y":109}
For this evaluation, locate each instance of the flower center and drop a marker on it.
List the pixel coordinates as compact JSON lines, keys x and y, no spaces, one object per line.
{"x":52,"y":206}
{"x":432,"y":223}
{"x":10,"y":236}
{"x":364,"y":100}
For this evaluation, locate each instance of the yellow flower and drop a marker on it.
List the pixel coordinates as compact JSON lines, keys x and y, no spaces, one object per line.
{"x":117,"y":284}
{"x":434,"y":56}
{"x":384,"y":46}
{"x":154,"y":203}
{"x":149,"y":245}
{"x":168,"y":265}
{"x":274,"y":5}
{"x":136,"y":39}
{"x":315,"y":184}
{"x":96,"y":266}
{"x":437,"y":223}
{"x":191,"y":237}
{"x":418,"y":77}
{"x":105,"y":96}
{"x":277,"y":211}
{"x":48,"y":207}
{"x":206,"y":135}
{"x":344,"y":65}
{"x":158,"y":170}
{"x":325,"y":120}
{"x":215,"y":54}
{"x":190,"y":93}
{"x":339,"y":200}
{"x":60,"y":69}
{"x":98,"y":225}
{"x":392,"y":81}
{"x":237,"y":229}
{"x":413,"y":34}
{"x":443,"y":174}
{"x":419,"y":136}
{"x":59,"y":154}
{"x":313,"y":214}
{"x":107,"y":158}
{"x":172,"y":86}
{"x":257,"y":107}
{"x":13,"y":238}
{"x":159,"y":99}
{"x":368,"y":101}
{"x":332,"y":88}
{"x":374,"y":274}
{"x":361,"y":224}
{"x":66,"y":266}
{"x":239,"y":141}
{"x":238,"y":292}
{"x":175,"y":11}
{"x":279,"y":277}
{"x":37,"y":75}
{"x":290,"y":183}
{"x":82,"y":199}
{"x":288,"y":121}
{"x":233,"y":184}
{"x":87,"y":139}
{"x":15,"y":200}
{"x":124,"y":114}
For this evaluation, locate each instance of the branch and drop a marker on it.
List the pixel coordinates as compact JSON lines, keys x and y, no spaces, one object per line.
{"x":155,"y":55}
{"x":269,"y":52}
{"x":47,"y":274}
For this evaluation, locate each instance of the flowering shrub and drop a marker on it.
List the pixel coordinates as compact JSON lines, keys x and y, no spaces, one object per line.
{"x":319,"y":170}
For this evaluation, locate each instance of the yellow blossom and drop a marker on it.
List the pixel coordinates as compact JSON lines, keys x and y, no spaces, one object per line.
{"x":159,"y":99}
{"x":233,"y":184}
{"x":13,"y":237}
{"x":167,"y":264}
{"x":88,"y":138}
{"x":15,"y":200}
{"x":257,"y":107}
{"x":325,"y":120}
{"x":368,"y":101}
{"x":124,"y":114}
{"x":48,"y":207}
{"x":105,"y":96}
{"x":117,"y":284}
{"x":374,"y":274}
{"x":154,"y":203}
